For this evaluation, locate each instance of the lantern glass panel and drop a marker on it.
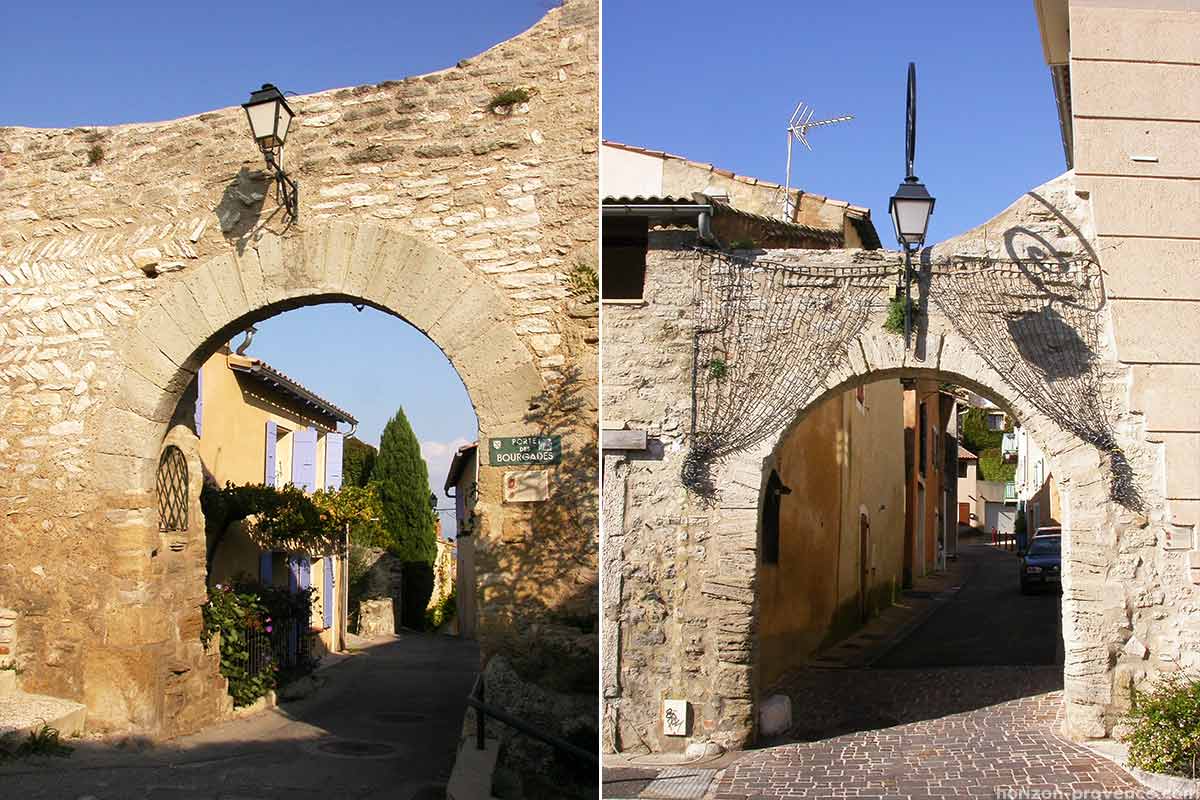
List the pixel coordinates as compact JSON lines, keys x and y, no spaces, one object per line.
{"x":262,"y":121}
{"x":285,"y":120}
{"x":911,"y":218}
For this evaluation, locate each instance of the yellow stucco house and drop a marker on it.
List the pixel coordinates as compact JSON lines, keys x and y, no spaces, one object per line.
{"x":257,"y":425}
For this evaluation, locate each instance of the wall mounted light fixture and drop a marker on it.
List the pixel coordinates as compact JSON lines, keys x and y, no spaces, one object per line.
{"x":270,"y":118}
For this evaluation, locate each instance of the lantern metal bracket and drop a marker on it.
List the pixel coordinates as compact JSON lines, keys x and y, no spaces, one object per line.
{"x":287,"y":191}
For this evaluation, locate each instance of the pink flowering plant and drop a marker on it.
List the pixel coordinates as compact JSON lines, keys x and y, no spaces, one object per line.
{"x":240,"y":616}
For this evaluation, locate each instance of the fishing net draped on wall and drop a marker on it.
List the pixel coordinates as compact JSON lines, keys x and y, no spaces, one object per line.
{"x":1037,"y":322}
{"x":769,"y":335}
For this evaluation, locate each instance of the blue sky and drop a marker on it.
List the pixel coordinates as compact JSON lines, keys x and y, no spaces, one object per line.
{"x":717,"y":83}
{"x":75,"y":62}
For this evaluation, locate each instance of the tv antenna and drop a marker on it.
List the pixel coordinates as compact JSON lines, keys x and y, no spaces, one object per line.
{"x":798,"y":127}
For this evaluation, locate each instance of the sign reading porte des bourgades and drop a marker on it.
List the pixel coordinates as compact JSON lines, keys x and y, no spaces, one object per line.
{"x":508,"y":451}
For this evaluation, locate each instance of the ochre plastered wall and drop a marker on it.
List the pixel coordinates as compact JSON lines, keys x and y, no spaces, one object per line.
{"x":839,"y":461}
{"x":118,"y":278}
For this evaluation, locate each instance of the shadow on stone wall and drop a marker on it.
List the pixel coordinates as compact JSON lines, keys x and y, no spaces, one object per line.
{"x":240,"y":209}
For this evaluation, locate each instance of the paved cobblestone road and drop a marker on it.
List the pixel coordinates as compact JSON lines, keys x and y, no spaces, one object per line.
{"x":917,"y":729}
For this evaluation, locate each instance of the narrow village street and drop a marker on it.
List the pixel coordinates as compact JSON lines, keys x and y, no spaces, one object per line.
{"x":385,"y":724}
{"x":966,"y":705}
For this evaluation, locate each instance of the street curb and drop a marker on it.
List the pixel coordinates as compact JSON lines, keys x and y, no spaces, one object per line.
{"x":1166,"y":785}
{"x":910,"y":627}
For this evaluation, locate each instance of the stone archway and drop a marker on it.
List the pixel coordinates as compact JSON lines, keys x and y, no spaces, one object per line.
{"x":684,"y":576}
{"x":117,"y":277}
{"x":194,"y":312}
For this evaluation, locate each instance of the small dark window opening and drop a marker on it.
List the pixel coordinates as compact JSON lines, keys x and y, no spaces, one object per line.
{"x":962,"y":469}
{"x":770,"y":518}
{"x":172,"y":487}
{"x":921,"y":444}
{"x":623,"y":276}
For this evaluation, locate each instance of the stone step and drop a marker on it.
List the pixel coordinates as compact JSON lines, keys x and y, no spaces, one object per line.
{"x":21,"y":713}
{"x":8,"y":682}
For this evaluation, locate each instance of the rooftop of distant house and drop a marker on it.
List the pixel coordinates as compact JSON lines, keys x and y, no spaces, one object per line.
{"x":857,"y":216}
{"x":264,"y":373}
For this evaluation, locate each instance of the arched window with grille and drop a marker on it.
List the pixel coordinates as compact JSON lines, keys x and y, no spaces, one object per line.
{"x":172,"y":486}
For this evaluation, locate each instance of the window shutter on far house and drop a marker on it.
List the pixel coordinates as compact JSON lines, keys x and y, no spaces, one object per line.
{"x":272,"y":440}
{"x":304,"y":459}
{"x":305,"y":569}
{"x":333,"y":461}
{"x":264,"y":568}
{"x":293,"y":563}
{"x":327,"y":603}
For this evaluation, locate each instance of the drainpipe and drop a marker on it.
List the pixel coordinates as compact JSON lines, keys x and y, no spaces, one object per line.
{"x":665,"y":211}
{"x":704,"y":225}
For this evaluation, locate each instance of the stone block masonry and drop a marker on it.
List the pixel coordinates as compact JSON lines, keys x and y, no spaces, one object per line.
{"x":119,"y":276}
{"x":680,"y":574}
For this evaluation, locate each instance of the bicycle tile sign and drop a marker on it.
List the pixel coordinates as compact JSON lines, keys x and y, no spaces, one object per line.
{"x":507,"y":451}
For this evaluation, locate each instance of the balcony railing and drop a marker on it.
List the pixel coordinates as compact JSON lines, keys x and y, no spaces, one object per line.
{"x":1010,"y":492}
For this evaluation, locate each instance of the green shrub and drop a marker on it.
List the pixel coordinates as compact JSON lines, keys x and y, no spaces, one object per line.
{"x":894,"y":323}
{"x":1166,"y":727}
{"x":993,"y":468}
{"x":45,"y":741}
{"x":717,"y":369}
{"x":742,"y":244}
{"x":511,"y":97}
{"x":95,"y":155}
{"x":237,"y":615}
{"x":584,"y":282}
{"x":441,"y":612}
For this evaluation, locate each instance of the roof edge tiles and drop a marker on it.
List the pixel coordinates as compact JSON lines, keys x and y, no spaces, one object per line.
{"x":746,"y":179}
{"x":457,"y":464}
{"x":262,"y":371}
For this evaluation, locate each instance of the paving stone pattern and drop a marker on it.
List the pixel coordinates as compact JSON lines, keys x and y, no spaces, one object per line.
{"x":978,"y":753}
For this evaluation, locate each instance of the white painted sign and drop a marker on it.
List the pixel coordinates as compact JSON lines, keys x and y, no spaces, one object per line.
{"x":675,"y":714}
{"x":527,"y":486}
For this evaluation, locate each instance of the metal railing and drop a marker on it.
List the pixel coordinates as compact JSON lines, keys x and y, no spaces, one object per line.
{"x":288,"y":644}
{"x":482,"y":711}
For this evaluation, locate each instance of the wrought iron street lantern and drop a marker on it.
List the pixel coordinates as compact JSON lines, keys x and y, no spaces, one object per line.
{"x":270,"y":118}
{"x":911,"y":205}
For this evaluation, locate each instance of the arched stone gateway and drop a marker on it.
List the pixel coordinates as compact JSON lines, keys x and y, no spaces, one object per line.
{"x":120,"y":274}
{"x":681,"y":573}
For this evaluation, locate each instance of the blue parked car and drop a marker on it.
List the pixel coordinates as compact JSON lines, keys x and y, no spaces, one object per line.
{"x":1041,"y":565}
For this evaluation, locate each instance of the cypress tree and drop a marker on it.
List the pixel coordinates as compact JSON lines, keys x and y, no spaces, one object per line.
{"x":403,"y":479}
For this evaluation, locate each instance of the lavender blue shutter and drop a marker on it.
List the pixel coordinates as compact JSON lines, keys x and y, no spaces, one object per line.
{"x":293,"y":563}
{"x":333,"y":461}
{"x":328,"y":603}
{"x":304,"y":459}
{"x":199,"y":399}
{"x":272,"y":440}
{"x":264,"y":568}
{"x":305,"y":572}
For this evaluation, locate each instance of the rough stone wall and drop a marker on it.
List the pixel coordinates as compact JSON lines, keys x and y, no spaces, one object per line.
{"x":680,"y":578}
{"x":128,"y":254}
{"x":8,"y":636}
